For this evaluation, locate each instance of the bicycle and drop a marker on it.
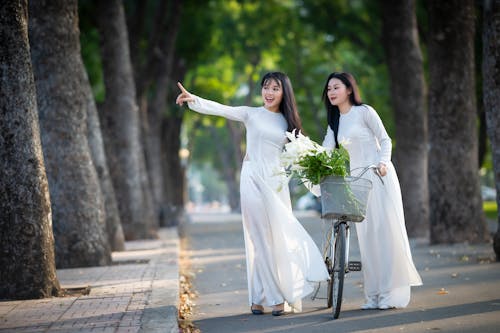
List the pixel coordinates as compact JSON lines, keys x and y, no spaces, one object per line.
{"x":343,"y":200}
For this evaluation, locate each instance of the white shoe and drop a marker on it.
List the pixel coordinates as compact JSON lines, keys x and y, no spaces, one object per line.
{"x":369,"y":306}
{"x":385,"y":307}
{"x":371,"y":303}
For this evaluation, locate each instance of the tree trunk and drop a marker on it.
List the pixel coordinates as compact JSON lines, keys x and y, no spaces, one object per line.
{"x":26,"y":241}
{"x":456,"y":213}
{"x":174,"y":172}
{"x":61,"y":83}
{"x":229,"y":170}
{"x":120,"y":119}
{"x":161,"y":118}
{"x":404,"y":60}
{"x":153,"y":145}
{"x":114,"y":229}
{"x":491,"y":91}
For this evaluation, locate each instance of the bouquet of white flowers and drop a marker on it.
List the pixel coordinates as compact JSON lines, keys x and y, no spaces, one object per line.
{"x":309,"y":161}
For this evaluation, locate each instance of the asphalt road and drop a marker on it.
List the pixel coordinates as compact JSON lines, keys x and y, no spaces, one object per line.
{"x":461,"y":291}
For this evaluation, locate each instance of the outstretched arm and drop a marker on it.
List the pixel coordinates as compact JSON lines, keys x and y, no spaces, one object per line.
{"x":198,"y":104}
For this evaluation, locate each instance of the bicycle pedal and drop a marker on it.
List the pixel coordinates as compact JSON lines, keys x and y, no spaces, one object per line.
{"x":354,"y":265}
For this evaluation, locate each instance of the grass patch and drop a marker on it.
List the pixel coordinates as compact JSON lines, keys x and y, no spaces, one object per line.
{"x":490,"y":209}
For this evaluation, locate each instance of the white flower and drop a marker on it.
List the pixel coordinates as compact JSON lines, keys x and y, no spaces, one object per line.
{"x":345,"y":142}
{"x":299,"y":146}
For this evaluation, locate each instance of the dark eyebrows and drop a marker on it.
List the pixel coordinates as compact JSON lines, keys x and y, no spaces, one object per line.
{"x":269,"y":82}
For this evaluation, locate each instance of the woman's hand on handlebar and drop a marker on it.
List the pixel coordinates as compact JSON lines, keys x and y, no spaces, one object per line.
{"x":382,"y":169}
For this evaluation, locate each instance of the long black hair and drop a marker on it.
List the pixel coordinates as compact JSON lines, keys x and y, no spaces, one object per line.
{"x":288,"y":106}
{"x":332,"y":111}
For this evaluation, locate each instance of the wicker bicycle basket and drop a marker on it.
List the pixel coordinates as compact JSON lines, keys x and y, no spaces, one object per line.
{"x":344,"y":197}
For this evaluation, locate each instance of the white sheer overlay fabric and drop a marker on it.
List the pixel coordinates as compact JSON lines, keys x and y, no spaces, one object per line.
{"x":388,"y":268}
{"x":282,"y":259}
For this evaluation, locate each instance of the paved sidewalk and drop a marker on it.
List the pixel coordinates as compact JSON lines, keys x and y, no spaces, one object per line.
{"x":139,"y":293}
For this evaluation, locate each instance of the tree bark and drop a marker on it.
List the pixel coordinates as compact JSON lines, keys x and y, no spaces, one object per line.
{"x":114,"y":231}
{"x":456,"y":213}
{"x":404,"y":60}
{"x":154,"y":146}
{"x":27,"y":258}
{"x":120,"y":118}
{"x":61,"y":83}
{"x":174,"y":172}
{"x":491,"y":92}
{"x":163,"y":148}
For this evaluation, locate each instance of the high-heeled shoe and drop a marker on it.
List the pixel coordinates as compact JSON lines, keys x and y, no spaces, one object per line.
{"x":276,"y":311}
{"x":257,"y":311}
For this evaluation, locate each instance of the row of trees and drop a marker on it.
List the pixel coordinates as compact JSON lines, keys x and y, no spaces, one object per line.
{"x":83,"y":169}
{"x":103,"y":174}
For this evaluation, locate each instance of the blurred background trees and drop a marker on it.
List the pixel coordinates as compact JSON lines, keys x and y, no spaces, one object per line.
{"x":122,"y":159}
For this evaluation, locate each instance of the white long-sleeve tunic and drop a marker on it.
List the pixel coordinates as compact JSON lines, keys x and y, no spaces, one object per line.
{"x":388,"y":268}
{"x":282,"y":259}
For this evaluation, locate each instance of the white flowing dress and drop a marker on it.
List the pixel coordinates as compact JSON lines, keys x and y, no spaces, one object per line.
{"x":388,"y":268}
{"x":282,"y":259}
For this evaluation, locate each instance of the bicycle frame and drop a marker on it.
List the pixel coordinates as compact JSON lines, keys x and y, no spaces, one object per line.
{"x":338,"y":217}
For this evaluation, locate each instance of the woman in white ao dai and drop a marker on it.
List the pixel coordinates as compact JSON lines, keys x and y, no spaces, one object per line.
{"x":282,"y":259}
{"x":388,"y":268}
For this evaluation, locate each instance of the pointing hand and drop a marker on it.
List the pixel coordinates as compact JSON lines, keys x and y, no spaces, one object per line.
{"x":184,"y":96}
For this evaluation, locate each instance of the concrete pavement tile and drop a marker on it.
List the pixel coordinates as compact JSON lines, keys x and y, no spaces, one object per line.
{"x":27,"y":329}
{"x":133,"y":329}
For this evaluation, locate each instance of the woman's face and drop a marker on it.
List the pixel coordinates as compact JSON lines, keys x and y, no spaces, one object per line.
{"x":337,"y":92}
{"x":272,"y":94}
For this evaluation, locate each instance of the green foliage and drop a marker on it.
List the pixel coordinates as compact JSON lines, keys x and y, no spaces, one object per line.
{"x":197,"y":28}
{"x":90,"y":49}
{"x":225,"y":46}
{"x":306,"y":160}
{"x":326,"y":163}
{"x":229,"y":45}
{"x":490,"y":209}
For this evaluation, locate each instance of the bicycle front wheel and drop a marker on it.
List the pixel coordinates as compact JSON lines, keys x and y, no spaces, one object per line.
{"x":329,"y":250}
{"x":338,"y":272}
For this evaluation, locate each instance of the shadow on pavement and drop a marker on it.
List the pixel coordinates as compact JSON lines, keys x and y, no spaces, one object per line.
{"x":319,"y":320}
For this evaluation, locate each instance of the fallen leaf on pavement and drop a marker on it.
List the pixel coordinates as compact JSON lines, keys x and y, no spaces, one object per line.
{"x":442,"y":291}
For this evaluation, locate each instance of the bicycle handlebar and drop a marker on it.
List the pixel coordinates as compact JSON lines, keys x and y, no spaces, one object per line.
{"x":365,"y":169}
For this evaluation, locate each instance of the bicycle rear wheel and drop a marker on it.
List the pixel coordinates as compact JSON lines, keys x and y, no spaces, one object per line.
{"x":338,"y":272}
